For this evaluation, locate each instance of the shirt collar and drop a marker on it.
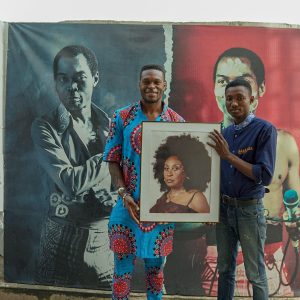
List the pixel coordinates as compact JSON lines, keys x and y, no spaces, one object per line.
{"x":243,"y":124}
{"x":164,"y":110}
{"x":64,"y":118}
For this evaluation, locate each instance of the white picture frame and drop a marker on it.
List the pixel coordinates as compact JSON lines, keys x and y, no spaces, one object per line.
{"x":185,"y":138}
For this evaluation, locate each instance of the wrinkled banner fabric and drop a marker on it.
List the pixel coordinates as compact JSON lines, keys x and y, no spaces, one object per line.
{"x":189,"y":52}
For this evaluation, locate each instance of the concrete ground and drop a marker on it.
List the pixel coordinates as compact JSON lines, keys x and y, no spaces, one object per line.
{"x":12,"y":291}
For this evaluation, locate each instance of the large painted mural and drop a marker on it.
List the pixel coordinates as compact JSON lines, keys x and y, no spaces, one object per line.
{"x":200,"y":60}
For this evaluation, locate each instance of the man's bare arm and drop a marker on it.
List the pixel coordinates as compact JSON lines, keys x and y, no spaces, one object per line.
{"x":116,"y":175}
{"x":292,"y":152}
{"x":118,"y":181}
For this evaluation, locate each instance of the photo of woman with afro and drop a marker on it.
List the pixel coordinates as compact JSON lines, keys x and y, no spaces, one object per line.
{"x":182,"y":168}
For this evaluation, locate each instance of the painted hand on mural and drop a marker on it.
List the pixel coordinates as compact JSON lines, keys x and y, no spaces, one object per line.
{"x":106,"y":198}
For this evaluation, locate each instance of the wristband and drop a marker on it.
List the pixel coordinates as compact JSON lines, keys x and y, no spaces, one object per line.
{"x":123,"y":198}
{"x":121,"y":190}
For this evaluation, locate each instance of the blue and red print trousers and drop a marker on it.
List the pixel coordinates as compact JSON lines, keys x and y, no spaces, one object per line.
{"x":123,"y":273}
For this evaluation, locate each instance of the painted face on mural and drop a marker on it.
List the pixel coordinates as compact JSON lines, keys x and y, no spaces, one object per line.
{"x":229,"y":69}
{"x":75,"y":82}
{"x":152,"y":85}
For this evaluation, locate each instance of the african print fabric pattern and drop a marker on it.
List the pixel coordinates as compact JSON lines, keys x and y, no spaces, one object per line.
{"x":122,"y":240}
{"x":136,"y":139}
{"x":121,"y":286}
{"x":146,"y":240}
{"x":130,"y":174}
{"x":154,"y":280}
{"x":164,"y":242}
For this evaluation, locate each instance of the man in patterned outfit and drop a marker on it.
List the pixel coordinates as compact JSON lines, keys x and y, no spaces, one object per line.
{"x":129,"y":237}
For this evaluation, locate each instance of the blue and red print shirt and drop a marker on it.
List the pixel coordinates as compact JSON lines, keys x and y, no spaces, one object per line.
{"x":254,"y":142}
{"x":124,"y":147}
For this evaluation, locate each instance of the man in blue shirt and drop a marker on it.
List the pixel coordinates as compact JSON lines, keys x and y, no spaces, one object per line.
{"x":247,"y":149}
{"x":130,"y":238}
{"x":243,"y":63}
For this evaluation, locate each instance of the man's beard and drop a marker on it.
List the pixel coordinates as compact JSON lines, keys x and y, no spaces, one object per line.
{"x":151,"y":101}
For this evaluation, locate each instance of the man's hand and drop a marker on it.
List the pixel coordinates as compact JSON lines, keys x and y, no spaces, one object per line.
{"x":132,"y":207}
{"x":220,"y":144}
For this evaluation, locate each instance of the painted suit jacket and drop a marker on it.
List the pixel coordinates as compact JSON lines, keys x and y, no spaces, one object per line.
{"x":80,"y":179}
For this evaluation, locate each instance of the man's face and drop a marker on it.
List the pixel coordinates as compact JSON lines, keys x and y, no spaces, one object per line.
{"x":74,"y":82}
{"x":238,"y":101}
{"x":229,"y":69}
{"x":152,"y":86}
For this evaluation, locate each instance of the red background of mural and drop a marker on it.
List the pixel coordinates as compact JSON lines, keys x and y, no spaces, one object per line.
{"x":196,"y":49}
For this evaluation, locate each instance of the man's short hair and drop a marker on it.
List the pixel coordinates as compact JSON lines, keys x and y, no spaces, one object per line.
{"x":153,"y":67}
{"x":257,"y":65}
{"x":239,"y":82}
{"x":73,"y":51}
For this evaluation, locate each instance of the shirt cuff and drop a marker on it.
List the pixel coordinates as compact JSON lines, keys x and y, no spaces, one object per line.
{"x":113,"y":154}
{"x":257,"y":171}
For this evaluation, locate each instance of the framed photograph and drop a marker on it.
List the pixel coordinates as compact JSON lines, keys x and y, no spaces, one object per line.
{"x":180,"y":179}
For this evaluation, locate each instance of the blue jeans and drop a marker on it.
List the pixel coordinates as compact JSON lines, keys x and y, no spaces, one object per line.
{"x":246,"y":225}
